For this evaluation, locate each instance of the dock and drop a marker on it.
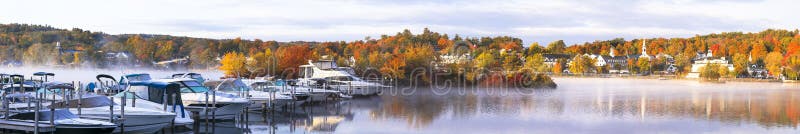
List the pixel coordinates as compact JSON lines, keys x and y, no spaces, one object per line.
{"x":28,"y":126}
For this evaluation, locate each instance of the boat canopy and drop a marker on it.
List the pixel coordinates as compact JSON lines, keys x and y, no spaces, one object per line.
{"x":154,"y":91}
{"x":86,"y":102}
{"x":325,"y":64}
{"x":195,"y":76}
{"x":43,"y":74}
{"x":45,"y":115}
{"x":135,"y":77}
{"x":229,"y":84}
{"x":55,"y":87}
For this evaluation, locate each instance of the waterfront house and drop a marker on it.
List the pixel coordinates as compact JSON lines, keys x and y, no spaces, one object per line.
{"x":551,"y":59}
{"x":616,"y":64}
{"x":702,"y":60}
{"x":454,"y":58}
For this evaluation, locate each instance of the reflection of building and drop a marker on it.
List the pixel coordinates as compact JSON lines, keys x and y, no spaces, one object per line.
{"x":702,"y":60}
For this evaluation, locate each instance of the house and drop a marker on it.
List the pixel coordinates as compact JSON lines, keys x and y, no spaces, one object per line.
{"x":702,"y":60}
{"x":757,"y":71}
{"x":551,"y":59}
{"x":455,"y":59}
{"x":616,"y":64}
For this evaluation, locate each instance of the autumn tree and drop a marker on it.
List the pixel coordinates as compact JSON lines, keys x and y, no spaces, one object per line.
{"x":290,"y":59}
{"x":581,"y":64}
{"x":394,"y":67}
{"x":793,"y":67}
{"x":774,"y":62}
{"x":485,"y":60}
{"x":233,"y":64}
{"x":644,"y":65}
{"x":558,"y":67}
{"x":556,"y":46}
{"x":535,"y":63}
{"x":710,"y":72}
{"x":740,"y":64}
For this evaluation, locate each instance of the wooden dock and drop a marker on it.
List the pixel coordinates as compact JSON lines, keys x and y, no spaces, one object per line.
{"x":28,"y":126}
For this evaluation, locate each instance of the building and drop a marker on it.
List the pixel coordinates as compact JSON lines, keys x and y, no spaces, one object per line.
{"x":756,"y":71}
{"x":551,"y":59}
{"x":702,"y":60}
{"x":455,"y":59}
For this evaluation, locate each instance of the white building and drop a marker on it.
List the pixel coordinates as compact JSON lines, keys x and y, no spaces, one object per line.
{"x":703,"y":60}
{"x":455,"y":59}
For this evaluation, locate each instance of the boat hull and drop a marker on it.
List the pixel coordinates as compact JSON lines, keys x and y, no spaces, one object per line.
{"x":224,"y":112}
{"x":70,"y":129}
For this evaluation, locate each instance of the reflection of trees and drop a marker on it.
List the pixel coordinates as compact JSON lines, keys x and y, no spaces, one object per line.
{"x":421,"y":109}
{"x":417,"y":110}
{"x":769,"y":108}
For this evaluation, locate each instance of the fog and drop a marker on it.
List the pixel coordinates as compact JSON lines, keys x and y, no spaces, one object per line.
{"x":88,"y":74}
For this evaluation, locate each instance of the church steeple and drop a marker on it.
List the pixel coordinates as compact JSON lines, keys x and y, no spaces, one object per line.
{"x":644,"y":47}
{"x":611,"y":52}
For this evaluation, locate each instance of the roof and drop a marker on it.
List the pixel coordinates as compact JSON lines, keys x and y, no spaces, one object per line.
{"x":176,"y":80}
{"x":156,"y":84}
{"x":556,"y":56}
{"x":43,"y":74}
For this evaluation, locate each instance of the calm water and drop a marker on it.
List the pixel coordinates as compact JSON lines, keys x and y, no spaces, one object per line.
{"x":577,"y":106}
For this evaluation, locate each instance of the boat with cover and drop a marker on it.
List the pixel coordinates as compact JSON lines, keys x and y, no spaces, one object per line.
{"x":326,"y":74}
{"x":194,"y":94}
{"x":258,"y":93}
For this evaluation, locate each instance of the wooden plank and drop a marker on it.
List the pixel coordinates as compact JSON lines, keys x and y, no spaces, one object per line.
{"x":25,"y":126}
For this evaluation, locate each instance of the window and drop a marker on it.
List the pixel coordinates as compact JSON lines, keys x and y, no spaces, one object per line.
{"x":193,"y":87}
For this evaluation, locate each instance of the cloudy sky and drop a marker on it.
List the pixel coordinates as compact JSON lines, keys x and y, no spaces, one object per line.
{"x":331,"y":20}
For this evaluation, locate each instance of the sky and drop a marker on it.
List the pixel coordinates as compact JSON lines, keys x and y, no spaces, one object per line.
{"x":574,"y":21}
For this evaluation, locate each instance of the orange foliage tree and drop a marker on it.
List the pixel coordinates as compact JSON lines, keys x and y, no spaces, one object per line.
{"x":291,"y":57}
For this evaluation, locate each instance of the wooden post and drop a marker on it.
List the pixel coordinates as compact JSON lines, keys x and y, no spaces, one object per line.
{"x":134,"y":99}
{"x":52,"y":109}
{"x":111,"y":110}
{"x":206,"y":108}
{"x":80,"y":97}
{"x":122,"y":115}
{"x":214,"y":101}
{"x":36,"y":113}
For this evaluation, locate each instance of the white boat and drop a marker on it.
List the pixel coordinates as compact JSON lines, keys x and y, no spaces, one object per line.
{"x":337,"y":78}
{"x":257,"y":91}
{"x":66,"y":122}
{"x":139,"y":89}
{"x":194,"y":94}
{"x":137,"y":119}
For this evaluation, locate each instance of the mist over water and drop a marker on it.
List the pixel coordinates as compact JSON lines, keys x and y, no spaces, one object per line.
{"x":68,"y":74}
{"x":578,"y":105}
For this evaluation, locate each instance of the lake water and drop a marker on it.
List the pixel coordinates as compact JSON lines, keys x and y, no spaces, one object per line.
{"x":579,"y":105}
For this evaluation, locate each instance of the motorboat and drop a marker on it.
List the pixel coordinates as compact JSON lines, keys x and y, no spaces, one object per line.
{"x":158,"y":96}
{"x":66,"y":122}
{"x":326,"y":74}
{"x":137,"y":118}
{"x":194,"y":94}
{"x":195,"y":76}
{"x":258,"y":92}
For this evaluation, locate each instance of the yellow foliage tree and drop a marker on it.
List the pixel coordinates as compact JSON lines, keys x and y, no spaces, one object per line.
{"x":233,"y":64}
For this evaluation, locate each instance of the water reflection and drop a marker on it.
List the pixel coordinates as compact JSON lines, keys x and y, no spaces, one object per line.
{"x":578,"y":105}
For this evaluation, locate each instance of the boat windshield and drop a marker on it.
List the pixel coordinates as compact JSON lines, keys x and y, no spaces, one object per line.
{"x":193,"y":87}
{"x":139,"y":77}
{"x":340,"y":78}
